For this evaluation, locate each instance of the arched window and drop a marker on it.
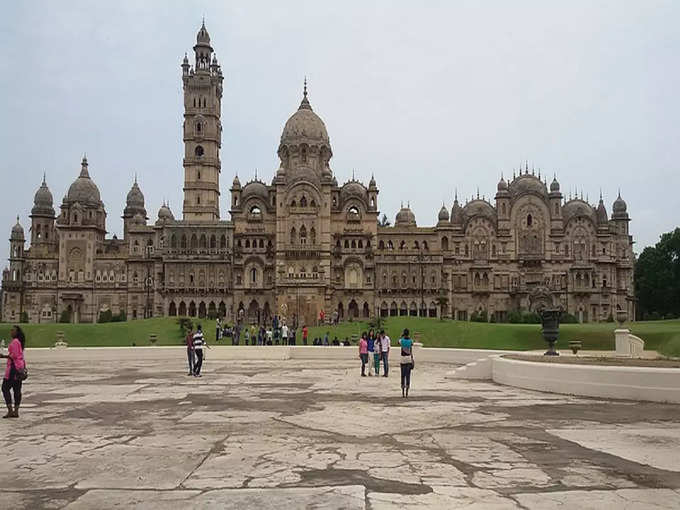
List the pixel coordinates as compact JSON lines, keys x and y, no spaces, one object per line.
{"x":312,"y":235}
{"x":204,"y":241}
{"x":445,"y":243}
{"x":173,"y":241}
{"x":247,"y":243}
{"x":360,"y":244}
{"x":213,"y":241}
{"x":293,"y":203}
{"x":303,"y":201}
{"x":183,"y":242}
{"x":253,"y":275}
{"x":293,"y":236}
{"x":381,"y":245}
{"x":312,"y":203}
{"x":198,"y":151}
{"x":223,"y":241}
{"x":198,"y":127}
{"x":346,"y":243}
{"x":530,"y":220}
{"x":416,"y":245}
{"x":255,"y":210}
{"x":194,"y":241}
{"x":354,"y":244}
{"x":303,"y":235}
{"x":198,"y":200}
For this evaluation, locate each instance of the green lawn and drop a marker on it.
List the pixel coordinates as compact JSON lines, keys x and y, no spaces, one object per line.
{"x":663,"y":336}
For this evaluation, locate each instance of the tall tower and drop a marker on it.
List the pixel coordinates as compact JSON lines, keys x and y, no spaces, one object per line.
{"x":202,"y":132}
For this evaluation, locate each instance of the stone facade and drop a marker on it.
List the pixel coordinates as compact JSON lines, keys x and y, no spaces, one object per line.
{"x":304,"y":243}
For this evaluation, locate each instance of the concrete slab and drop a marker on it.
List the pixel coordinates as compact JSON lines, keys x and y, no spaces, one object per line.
{"x":312,"y":433}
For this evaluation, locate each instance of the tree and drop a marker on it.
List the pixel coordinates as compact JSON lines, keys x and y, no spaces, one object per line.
{"x":384,"y":222}
{"x":657,"y":278}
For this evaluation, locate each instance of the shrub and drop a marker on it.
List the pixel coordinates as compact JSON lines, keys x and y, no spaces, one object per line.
{"x":610,"y":318}
{"x":185,"y":325}
{"x":121,"y":317}
{"x":376,"y":323}
{"x":515,"y":317}
{"x":105,"y":316}
{"x":482,"y":316}
{"x":24,"y":317}
{"x":567,"y":318}
{"x":65,"y":317}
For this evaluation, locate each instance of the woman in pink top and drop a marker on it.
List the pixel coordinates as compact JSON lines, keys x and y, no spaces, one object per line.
{"x":363,"y":353}
{"x":11,"y":379}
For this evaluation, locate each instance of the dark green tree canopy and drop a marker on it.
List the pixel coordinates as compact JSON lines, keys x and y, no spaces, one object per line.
{"x":657,"y":279}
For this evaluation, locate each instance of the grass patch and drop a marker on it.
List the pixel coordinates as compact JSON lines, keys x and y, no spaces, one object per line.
{"x":663,"y":336}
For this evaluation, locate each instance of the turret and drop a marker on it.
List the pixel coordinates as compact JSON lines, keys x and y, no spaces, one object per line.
{"x":43,"y":217}
{"x":503,"y":204}
{"x":134,"y":208}
{"x":555,"y":199}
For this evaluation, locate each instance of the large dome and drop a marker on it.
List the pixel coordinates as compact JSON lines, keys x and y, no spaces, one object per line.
{"x":480,"y":207}
{"x":353,"y":189}
{"x":578,"y":208}
{"x":305,"y":126}
{"x":17,"y":231}
{"x":255,"y":188}
{"x":527,"y":183}
{"x":83,"y":189}
{"x":43,"y":201}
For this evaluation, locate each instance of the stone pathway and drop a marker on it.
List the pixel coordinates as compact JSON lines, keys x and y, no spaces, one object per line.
{"x":294,"y":434}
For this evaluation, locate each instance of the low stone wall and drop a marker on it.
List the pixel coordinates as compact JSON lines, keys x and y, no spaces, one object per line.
{"x":631,"y":383}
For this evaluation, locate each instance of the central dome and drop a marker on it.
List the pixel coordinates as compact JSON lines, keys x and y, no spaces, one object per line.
{"x":83,"y":189}
{"x":305,"y":126}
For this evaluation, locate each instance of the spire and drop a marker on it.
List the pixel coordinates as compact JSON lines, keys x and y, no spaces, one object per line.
{"x":83,"y":167}
{"x":477,"y":192}
{"x":304,"y":105}
{"x":44,"y":178}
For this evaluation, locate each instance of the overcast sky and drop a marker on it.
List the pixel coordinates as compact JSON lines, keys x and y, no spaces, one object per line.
{"x":447,"y":95}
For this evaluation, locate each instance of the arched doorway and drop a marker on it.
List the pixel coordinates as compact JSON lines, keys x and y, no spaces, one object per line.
{"x":341,"y":312}
{"x":353,"y":309}
{"x":201,"y":310}
{"x":366,"y":310}
{"x":222,"y":309}
{"x":212,"y":310}
{"x":172,"y":310}
{"x":182,"y":309}
{"x":403,"y":310}
{"x":393,"y":309}
{"x":192,"y":309}
{"x":413,"y":310}
{"x":384,"y":311}
{"x":254,"y":312}
{"x":267,"y":315}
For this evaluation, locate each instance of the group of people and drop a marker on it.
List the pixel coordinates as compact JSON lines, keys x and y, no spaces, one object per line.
{"x":195,"y":342}
{"x":277,"y":334}
{"x":376,"y":348}
{"x":16,"y":366}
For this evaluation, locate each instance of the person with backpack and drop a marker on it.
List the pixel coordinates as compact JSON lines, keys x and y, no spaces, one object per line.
{"x":407,"y":362}
{"x":15,"y":372}
{"x":198,"y":343}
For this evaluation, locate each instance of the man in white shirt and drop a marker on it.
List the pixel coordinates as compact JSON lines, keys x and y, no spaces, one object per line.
{"x":284,"y":334}
{"x":384,"y":350}
{"x":198,"y":342}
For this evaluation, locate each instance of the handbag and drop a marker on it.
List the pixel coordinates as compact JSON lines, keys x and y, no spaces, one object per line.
{"x":22,"y":374}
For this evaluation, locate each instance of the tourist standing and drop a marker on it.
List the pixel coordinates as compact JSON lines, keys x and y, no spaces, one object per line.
{"x":385,"y":350}
{"x":363,"y":353}
{"x":377,"y":354}
{"x":407,"y":362}
{"x":218,"y":330}
{"x":371,"y":350}
{"x":199,"y":343}
{"x":13,"y":380}
{"x":246,"y":335}
{"x":284,"y":334}
{"x":189,"y":341}
{"x":305,"y":332}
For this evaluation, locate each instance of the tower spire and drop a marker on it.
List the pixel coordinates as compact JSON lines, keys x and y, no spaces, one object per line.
{"x":304,"y":105}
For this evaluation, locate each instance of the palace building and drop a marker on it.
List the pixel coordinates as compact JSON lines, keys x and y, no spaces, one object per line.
{"x":303,"y":243}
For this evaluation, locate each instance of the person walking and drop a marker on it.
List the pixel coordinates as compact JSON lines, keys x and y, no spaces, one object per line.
{"x":284,"y":334}
{"x":199,"y":343}
{"x":189,"y":341}
{"x":407,"y":362}
{"x":363,"y":353}
{"x":218,"y":330}
{"x":13,"y":380}
{"x":385,"y":351}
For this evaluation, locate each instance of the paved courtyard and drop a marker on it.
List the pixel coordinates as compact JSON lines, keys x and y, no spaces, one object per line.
{"x":311,"y":434}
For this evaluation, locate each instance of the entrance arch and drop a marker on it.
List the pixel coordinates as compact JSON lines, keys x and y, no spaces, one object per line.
{"x":353,"y":310}
{"x":172,"y":310}
{"x":182,"y":309}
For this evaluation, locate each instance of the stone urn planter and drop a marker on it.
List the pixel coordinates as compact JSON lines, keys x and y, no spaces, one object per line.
{"x":153,"y":337}
{"x":621,"y":317}
{"x":550,"y":320}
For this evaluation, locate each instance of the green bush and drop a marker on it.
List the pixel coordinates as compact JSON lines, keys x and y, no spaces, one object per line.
{"x":610,"y":318}
{"x":24,"y":317}
{"x":105,"y":316}
{"x":515,"y":317}
{"x":671,"y":348}
{"x":567,"y":318}
{"x":531,"y":318}
{"x":65,"y":317}
{"x":482,"y":316}
{"x":121,"y":317}
{"x":185,"y":325}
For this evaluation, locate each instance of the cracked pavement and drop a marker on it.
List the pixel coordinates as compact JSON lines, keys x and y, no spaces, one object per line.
{"x":313,"y":434}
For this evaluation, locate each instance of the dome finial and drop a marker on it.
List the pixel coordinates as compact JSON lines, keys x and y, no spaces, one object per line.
{"x":304,"y":105}
{"x":83,"y":167}
{"x":44,"y":178}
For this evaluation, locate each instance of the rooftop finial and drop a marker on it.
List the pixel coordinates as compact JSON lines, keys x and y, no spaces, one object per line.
{"x":455,"y":196}
{"x":135,"y":177}
{"x":477,"y":192}
{"x":44,"y":177}
{"x":304,"y":90}
{"x":256,"y":174}
{"x":305,"y":102}
{"x":203,"y":22}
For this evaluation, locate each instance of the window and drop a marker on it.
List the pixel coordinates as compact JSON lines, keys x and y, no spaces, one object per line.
{"x":198,"y":127}
{"x":303,"y":201}
{"x":293,"y":235}
{"x":198,"y":200}
{"x":255,"y":210}
{"x":530,"y":220}
{"x":199,"y":175}
{"x":253,"y":275}
{"x":303,"y":235}
{"x":199,"y":151}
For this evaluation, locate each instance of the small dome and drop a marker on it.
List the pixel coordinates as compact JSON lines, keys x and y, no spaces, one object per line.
{"x":443,"y":213}
{"x":17,"y":231}
{"x":43,"y":201}
{"x":372,"y":184}
{"x":502,"y":185}
{"x":203,"y":37}
{"x":185,"y":61}
{"x":305,"y":126}
{"x":83,"y":189}
{"x":578,"y":208}
{"x":554,"y":185}
{"x":405,"y":218}
{"x":620,"y":206}
{"x":480,"y":207}
{"x":236,"y":184}
{"x":165,"y":214}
